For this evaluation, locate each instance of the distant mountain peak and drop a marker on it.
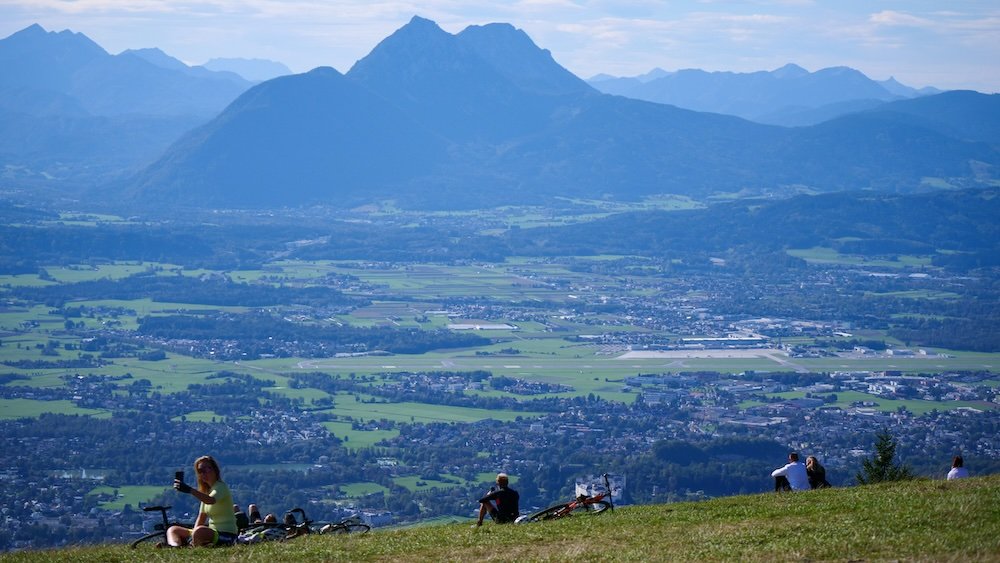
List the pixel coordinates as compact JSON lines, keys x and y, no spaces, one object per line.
{"x":789,"y":70}
{"x":34,"y":36}
{"x":841,"y":70}
{"x":419,"y":35}
{"x":154,"y":55}
{"x":418,"y":23}
{"x":33,"y":30}
{"x":511,"y":52}
{"x":653,"y":75}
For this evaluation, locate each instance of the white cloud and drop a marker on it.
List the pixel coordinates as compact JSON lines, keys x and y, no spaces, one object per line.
{"x":893,"y":18}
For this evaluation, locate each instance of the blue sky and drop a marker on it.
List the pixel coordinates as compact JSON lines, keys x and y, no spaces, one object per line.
{"x":949,"y":45}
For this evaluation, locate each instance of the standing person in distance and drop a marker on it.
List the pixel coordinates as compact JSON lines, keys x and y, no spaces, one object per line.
{"x":216,"y":522}
{"x":501,"y":503}
{"x":958,"y":470}
{"x":792,"y":476}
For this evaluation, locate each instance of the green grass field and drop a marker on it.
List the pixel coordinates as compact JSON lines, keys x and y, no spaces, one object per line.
{"x":420,"y":412}
{"x":358,"y":490}
{"x":846,"y":398}
{"x":921,"y":520}
{"x":358,"y":439}
{"x":414,"y":483}
{"x":26,"y":408}
{"x":133,"y":495}
{"x":823,"y":255}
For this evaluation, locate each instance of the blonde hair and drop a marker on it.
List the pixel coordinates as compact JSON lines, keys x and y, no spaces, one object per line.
{"x":209,"y":461}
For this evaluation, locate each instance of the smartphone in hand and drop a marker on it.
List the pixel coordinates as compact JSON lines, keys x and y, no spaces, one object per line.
{"x":179,"y":476}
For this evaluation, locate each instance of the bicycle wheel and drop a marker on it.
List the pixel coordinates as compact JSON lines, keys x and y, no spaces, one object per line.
{"x":549,"y":513}
{"x":591,"y":508}
{"x":149,"y":539}
{"x":267,"y":532}
{"x":349,"y":528}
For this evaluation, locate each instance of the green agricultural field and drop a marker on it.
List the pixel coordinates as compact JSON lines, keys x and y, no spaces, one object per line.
{"x":199,"y":416}
{"x":358,"y":490}
{"x":28,"y":408}
{"x":415,"y":484}
{"x":116,"y":271}
{"x":846,"y":398}
{"x":17,"y":318}
{"x":487,"y":478}
{"x":914,"y":294}
{"x":23,"y":280}
{"x":358,"y":439}
{"x":134,"y":495}
{"x":419,"y":412}
{"x":88,"y":219}
{"x":146,"y":307}
{"x":824,"y":255}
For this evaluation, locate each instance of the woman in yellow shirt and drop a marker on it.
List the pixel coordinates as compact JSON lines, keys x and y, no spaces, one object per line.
{"x":216,"y":522}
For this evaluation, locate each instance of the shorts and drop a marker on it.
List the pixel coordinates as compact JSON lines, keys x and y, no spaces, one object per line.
{"x":497,"y":516}
{"x":224,"y":539}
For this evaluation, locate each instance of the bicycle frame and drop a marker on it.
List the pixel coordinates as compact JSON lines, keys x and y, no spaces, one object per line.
{"x":591,"y":504}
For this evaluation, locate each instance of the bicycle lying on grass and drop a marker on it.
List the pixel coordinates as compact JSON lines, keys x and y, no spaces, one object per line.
{"x":291,"y":527}
{"x":159,"y":535}
{"x":352,"y":525}
{"x":583,"y":504}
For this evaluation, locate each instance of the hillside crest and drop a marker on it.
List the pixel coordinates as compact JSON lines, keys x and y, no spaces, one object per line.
{"x":929,"y":520}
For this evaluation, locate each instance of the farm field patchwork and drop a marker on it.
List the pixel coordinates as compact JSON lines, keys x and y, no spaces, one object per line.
{"x":846,"y":399}
{"x":418,"y":412}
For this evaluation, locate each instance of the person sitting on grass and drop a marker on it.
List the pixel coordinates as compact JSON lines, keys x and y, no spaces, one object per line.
{"x":216,"y":522}
{"x":501,"y":503}
{"x":816,"y":473}
{"x":792,"y":476}
{"x":242,"y":520}
{"x":958,"y":470}
{"x":254,"y":514}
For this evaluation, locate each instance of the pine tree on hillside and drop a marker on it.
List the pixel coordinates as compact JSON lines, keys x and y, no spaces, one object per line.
{"x":882,"y":466}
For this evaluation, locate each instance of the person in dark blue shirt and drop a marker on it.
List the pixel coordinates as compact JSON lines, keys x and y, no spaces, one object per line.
{"x":501,"y":503}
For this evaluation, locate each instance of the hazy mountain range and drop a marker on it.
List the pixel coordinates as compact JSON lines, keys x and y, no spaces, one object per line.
{"x":71,"y":111}
{"x":790,"y":95}
{"x":432,"y":119}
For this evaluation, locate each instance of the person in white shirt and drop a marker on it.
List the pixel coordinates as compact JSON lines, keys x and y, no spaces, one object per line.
{"x":958,"y":471}
{"x":791,"y":477}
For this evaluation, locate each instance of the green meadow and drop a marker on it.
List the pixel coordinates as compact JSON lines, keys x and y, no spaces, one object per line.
{"x":358,"y":490}
{"x":847,"y":398}
{"x":27,"y":408}
{"x":134,"y":495}
{"x":900,"y":521}
{"x":416,"y":484}
{"x":824,"y":255}
{"x":358,"y":439}
{"x":419,"y":412}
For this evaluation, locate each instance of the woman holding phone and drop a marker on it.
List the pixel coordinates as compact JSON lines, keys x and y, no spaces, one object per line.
{"x":216,"y":522}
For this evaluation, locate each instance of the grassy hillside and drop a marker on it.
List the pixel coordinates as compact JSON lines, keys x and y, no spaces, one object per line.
{"x":923,"y":520}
